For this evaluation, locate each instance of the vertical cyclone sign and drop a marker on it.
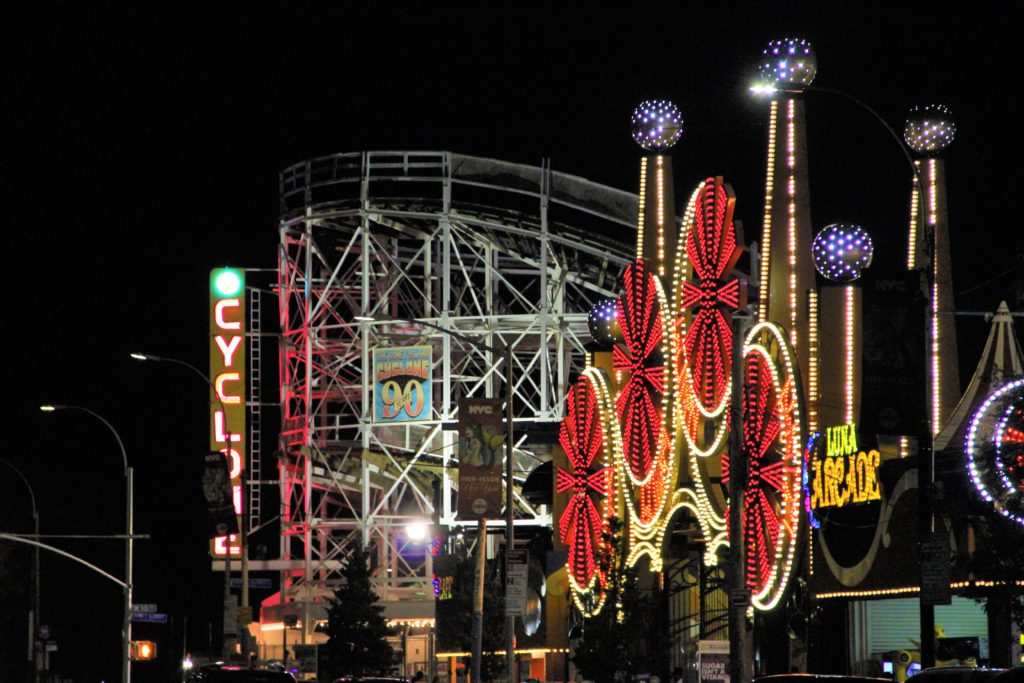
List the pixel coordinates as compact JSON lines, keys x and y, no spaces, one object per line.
{"x":227,"y":393}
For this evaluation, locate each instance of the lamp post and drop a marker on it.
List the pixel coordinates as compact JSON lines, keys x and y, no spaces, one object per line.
{"x":510,"y":534}
{"x":925,"y":465}
{"x":34,"y":617}
{"x":226,"y":645}
{"x":126,"y":628}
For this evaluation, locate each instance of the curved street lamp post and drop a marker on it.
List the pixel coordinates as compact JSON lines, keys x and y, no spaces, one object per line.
{"x":34,"y":617}
{"x":242,"y":534}
{"x":126,"y":627}
{"x":926,"y":465}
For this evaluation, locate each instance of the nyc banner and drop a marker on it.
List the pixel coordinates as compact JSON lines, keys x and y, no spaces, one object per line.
{"x":481,"y":443}
{"x":402,"y":384}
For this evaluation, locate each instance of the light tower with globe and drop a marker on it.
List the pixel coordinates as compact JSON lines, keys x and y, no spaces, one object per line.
{"x":841,"y":252}
{"x":929,"y":130}
{"x":786,"y":273}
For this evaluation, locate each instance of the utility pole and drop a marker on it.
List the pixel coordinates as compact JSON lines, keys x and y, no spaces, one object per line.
{"x":740,"y":669}
{"x":478,"y":600}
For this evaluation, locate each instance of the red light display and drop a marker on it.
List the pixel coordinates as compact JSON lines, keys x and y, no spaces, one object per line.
{"x":711,"y":249}
{"x":639,"y":402}
{"x":581,"y":523}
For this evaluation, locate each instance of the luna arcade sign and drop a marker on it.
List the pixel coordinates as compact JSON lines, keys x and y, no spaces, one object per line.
{"x":841,"y":473}
{"x":227,"y":393}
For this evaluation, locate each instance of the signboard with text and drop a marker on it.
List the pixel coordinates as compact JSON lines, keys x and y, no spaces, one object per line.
{"x":228,"y":388}
{"x":842,"y":474}
{"x":481,"y":444}
{"x":402,"y":384}
{"x":713,"y":661}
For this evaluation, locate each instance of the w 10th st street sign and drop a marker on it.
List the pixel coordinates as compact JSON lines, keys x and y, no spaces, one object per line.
{"x":150,"y":617}
{"x":143,"y":607}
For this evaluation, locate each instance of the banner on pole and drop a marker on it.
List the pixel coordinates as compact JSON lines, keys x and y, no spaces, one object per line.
{"x":481,"y":439}
{"x":221,"y":519}
{"x":402,"y":384}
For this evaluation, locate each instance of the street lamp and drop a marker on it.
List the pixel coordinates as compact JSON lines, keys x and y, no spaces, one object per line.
{"x":35,"y":618}
{"x":925,"y":454}
{"x":226,"y":646}
{"x":126,"y":628}
{"x":510,"y":534}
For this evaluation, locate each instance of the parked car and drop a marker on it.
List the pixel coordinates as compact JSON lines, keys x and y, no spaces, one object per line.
{"x":955,"y":674}
{"x":224,"y":673}
{"x":819,"y":678}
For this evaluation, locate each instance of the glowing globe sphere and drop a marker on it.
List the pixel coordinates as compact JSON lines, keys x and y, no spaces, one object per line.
{"x":789,"y":63}
{"x":842,"y":252}
{"x":929,"y":129}
{"x":603,"y":322}
{"x":657,"y":125}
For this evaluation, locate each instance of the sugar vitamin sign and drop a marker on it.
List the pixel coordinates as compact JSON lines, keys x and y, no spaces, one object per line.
{"x":842,"y":473}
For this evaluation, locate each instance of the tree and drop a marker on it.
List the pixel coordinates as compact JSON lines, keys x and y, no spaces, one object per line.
{"x":625,"y":638}
{"x":356,"y":628}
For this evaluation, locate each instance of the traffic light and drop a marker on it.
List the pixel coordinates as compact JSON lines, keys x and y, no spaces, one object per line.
{"x":143,"y":650}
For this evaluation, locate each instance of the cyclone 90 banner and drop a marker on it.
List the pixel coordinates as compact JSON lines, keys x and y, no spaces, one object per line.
{"x":402,"y":384}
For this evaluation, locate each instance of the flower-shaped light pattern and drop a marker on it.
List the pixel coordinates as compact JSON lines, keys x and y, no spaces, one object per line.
{"x":639,"y":402}
{"x":657,"y":125}
{"x":789,"y":62}
{"x":841,"y":252}
{"x":929,"y":129}
{"x":580,"y":525}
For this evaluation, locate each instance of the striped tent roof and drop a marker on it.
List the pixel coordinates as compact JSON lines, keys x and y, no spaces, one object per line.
{"x":1001,"y":360}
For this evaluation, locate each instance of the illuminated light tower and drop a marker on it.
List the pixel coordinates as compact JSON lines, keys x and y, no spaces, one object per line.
{"x":928,"y":131}
{"x":657,"y":126}
{"x":841,"y":253}
{"x":643,"y":315}
{"x":786,"y":273}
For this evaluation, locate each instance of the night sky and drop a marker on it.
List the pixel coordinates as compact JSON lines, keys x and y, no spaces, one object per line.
{"x":141,"y":149}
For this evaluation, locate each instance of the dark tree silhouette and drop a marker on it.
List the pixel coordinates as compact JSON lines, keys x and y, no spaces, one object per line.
{"x":356,"y":628}
{"x":625,"y":638}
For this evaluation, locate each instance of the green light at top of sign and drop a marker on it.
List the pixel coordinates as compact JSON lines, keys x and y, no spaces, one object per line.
{"x":227,"y":283}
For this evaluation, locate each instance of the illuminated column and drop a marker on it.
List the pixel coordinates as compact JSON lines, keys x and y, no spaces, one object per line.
{"x":657,"y":125}
{"x":928,"y":131}
{"x":786,"y":272}
{"x":841,"y":253}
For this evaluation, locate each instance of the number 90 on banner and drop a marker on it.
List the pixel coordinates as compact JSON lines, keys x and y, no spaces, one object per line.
{"x":402,"y":384}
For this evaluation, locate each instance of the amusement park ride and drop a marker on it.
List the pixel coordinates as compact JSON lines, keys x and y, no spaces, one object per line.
{"x":641,"y":405}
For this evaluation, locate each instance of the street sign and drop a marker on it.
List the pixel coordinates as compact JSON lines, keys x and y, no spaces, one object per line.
{"x":143,"y":607}
{"x":936,"y":570}
{"x":254,"y":582}
{"x":518,"y":579}
{"x":150,"y":617}
{"x":739,"y":597}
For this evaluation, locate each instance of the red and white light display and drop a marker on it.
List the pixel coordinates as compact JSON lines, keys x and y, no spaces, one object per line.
{"x":581,"y":524}
{"x":674,"y":377}
{"x":639,"y":402}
